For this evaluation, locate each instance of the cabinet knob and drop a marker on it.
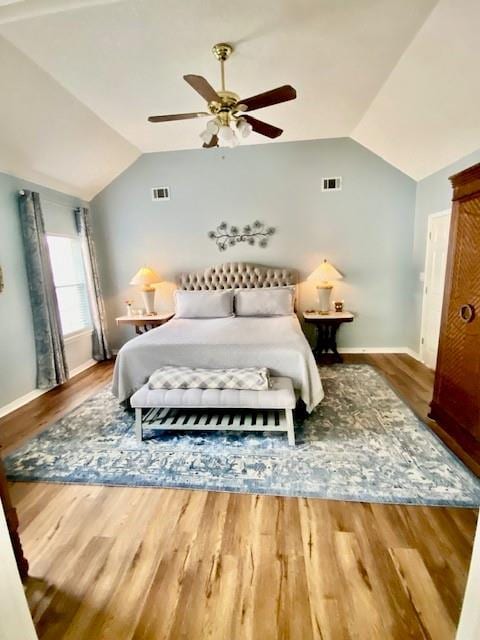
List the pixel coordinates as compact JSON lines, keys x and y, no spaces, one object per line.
{"x":466,"y":313}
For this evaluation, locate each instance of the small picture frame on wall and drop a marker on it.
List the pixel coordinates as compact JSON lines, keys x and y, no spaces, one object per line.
{"x":338,"y":305}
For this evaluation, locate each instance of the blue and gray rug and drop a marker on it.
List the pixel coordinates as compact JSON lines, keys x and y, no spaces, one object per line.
{"x":362,"y":443}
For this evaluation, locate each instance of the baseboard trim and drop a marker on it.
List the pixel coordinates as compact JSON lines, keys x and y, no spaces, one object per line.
{"x":36,"y":393}
{"x":19,"y":402}
{"x":406,"y":350}
{"x":83,"y":367}
{"x":414,"y":354}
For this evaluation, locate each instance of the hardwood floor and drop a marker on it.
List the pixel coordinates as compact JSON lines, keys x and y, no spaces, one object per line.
{"x":18,"y":426}
{"x":127,"y":563}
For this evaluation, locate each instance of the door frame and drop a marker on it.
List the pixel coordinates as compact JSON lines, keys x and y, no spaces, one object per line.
{"x":15,"y":619}
{"x":432,"y":216}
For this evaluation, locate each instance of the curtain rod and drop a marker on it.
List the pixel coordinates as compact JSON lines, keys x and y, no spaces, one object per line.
{"x":21,"y":192}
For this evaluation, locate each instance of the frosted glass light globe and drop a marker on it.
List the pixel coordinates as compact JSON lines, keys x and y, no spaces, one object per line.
{"x":225,"y":133}
{"x":206,"y":136}
{"x":234,"y":142}
{"x":212,"y":127}
{"x":244,"y":128}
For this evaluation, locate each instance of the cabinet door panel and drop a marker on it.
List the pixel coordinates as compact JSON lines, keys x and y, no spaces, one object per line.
{"x":459,"y":378}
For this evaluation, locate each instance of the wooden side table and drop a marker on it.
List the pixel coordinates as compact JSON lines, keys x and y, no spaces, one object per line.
{"x":326,"y":327}
{"x":144,"y":323}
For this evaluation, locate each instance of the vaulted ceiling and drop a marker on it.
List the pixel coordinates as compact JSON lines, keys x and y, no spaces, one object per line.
{"x":81,"y":77}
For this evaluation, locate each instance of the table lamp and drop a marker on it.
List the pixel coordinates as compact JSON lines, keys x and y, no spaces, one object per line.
{"x":146,"y":277}
{"x":323,"y":274}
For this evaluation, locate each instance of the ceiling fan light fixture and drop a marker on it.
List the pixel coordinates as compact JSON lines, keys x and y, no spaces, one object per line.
{"x":233,"y":142}
{"x":244,"y":128}
{"x":206,"y":136}
{"x":225,"y":133}
{"x":229,"y":125}
{"x":212,"y":127}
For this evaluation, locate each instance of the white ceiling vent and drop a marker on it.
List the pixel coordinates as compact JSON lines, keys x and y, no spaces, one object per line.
{"x":331,"y":184}
{"x":160,"y":193}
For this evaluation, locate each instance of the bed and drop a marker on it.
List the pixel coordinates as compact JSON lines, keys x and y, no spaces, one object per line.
{"x":274,"y":342}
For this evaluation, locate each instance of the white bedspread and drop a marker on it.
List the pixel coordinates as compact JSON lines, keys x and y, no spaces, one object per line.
{"x":277,"y":343}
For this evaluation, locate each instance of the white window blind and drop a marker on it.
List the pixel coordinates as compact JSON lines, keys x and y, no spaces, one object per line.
{"x":69,"y":277}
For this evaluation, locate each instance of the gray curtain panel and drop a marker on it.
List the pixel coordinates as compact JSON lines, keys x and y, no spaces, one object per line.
{"x":100,"y":348}
{"x":51,"y":364}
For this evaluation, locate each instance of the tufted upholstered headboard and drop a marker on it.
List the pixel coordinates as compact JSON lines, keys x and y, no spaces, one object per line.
{"x":237,"y":275}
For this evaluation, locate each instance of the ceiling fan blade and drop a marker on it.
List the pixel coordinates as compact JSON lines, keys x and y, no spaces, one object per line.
{"x":213,"y":143}
{"x":203,"y":87}
{"x":275,"y":96}
{"x":263,"y":128}
{"x":177,"y":116}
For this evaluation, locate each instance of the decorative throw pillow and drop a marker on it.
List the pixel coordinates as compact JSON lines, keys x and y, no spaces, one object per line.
{"x":171,"y":377}
{"x":203,"y":304}
{"x":268,"y":301}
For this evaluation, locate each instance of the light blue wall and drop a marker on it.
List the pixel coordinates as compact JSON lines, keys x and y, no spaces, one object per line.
{"x":434,"y":194}
{"x":17,"y":349}
{"x":365,"y":230}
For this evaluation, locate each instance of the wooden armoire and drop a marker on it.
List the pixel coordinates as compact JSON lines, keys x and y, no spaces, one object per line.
{"x":456,"y":397}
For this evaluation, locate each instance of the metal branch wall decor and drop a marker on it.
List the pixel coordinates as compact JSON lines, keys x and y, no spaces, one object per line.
{"x":228,"y":236}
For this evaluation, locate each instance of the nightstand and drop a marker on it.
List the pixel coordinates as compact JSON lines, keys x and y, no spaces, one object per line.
{"x":326,"y":327}
{"x":144,"y":323}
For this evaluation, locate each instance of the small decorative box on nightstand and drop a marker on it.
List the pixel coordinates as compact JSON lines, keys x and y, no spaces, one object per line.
{"x":144,"y":323}
{"x":326,"y":327}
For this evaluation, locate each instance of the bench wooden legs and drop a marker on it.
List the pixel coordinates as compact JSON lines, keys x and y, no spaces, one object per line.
{"x":138,"y":424}
{"x":290,"y":427}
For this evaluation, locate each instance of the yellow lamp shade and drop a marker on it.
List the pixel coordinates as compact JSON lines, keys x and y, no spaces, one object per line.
{"x":325,"y":272}
{"x":145,"y":277}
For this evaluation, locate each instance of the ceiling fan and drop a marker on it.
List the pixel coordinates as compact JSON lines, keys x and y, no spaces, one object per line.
{"x":230,"y":121}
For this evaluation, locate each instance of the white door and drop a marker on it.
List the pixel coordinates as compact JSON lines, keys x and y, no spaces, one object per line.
{"x":469,"y":623}
{"x":435,"y":265}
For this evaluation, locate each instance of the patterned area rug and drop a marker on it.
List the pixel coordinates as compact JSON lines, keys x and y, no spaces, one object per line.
{"x":362,"y":443}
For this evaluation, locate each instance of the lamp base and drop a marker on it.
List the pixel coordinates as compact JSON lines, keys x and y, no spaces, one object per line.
{"x":324,"y":294}
{"x":149,"y":301}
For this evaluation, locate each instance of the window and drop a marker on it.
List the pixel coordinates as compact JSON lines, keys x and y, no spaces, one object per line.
{"x":69,"y":277}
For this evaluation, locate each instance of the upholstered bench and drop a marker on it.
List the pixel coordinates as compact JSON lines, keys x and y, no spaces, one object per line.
{"x":216,"y":409}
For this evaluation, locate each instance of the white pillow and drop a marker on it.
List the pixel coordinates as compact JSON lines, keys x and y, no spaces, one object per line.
{"x":203,"y":304}
{"x":268,"y":301}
